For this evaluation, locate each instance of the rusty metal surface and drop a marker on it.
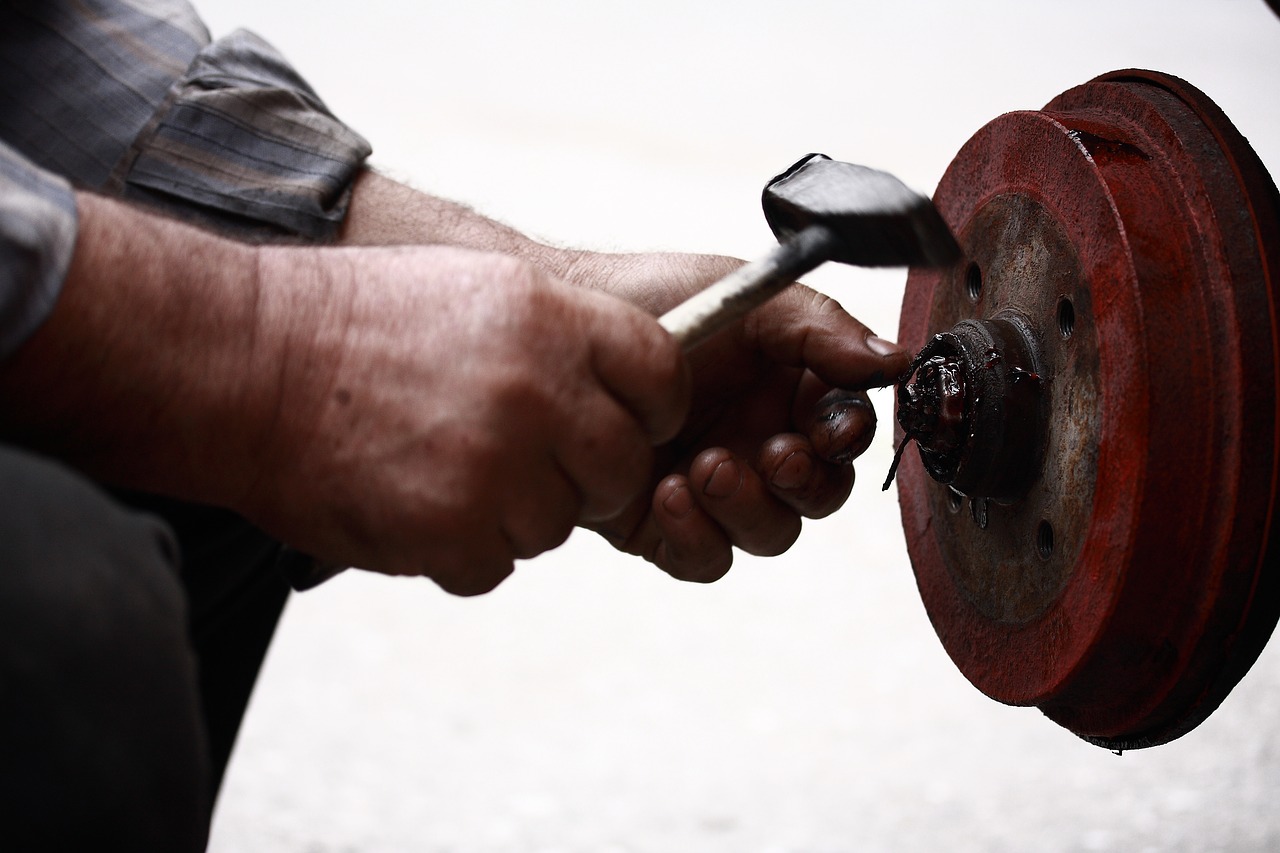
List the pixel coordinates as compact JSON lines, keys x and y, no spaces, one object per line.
{"x":1125,"y":228}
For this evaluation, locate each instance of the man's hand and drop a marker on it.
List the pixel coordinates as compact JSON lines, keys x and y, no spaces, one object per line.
{"x":778,"y":410}
{"x":419,"y":410}
{"x":464,"y":411}
{"x":778,"y":416}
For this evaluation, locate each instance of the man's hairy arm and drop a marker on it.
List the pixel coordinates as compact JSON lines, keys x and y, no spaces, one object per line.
{"x":358,"y":403}
{"x":138,"y":376}
{"x":385,"y":212}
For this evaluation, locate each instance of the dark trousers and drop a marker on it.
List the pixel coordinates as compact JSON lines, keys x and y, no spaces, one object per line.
{"x":128,"y":649}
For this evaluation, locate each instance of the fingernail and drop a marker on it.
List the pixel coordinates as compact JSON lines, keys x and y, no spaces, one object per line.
{"x":679,"y":503}
{"x":861,"y":431}
{"x":724,"y":481}
{"x":794,"y":471}
{"x":881,"y":347}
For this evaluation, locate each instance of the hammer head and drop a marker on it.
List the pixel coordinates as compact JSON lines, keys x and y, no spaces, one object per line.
{"x":878,"y":220}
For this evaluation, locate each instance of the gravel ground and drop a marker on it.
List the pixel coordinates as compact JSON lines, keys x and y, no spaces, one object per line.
{"x":803,"y":704}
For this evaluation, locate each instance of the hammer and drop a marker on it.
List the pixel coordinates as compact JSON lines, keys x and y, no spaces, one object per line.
{"x":821,"y":210}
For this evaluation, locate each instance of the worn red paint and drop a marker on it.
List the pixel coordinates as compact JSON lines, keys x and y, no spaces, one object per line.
{"x":1134,"y":200}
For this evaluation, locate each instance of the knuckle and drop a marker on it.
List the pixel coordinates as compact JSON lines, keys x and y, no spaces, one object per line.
{"x":516,"y":275}
{"x":612,"y":466}
{"x":817,"y":303}
{"x":475,"y":582}
{"x":521,"y":395}
{"x":541,"y":514}
{"x":824,"y":305}
{"x":528,"y":299}
{"x":544,"y":533}
{"x":469,"y":571}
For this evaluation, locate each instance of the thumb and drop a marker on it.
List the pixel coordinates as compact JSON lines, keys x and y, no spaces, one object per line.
{"x":803,"y":328}
{"x":639,"y":363}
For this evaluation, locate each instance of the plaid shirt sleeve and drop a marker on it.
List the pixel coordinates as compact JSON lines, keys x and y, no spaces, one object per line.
{"x":243,"y":142}
{"x":132,"y":99}
{"x":37,"y":235}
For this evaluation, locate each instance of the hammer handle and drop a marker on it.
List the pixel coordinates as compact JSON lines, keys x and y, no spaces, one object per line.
{"x":706,"y":312}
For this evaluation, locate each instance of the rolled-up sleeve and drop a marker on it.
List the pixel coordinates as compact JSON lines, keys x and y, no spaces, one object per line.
{"x":244,"y":136}
{"x":133,"y":99}
{"x":37,"y":238}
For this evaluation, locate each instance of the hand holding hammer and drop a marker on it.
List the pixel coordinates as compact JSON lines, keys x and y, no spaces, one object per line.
{"x":820,"y":210}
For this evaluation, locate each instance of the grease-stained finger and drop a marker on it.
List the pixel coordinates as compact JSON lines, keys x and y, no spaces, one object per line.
{"x":841,"y":425}
{"x":730,"y":491}
{"x":689,"y":545}
{"x":799,"y":477}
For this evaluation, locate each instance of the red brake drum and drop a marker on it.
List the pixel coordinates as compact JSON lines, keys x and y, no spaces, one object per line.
{"x":1123,"y":574}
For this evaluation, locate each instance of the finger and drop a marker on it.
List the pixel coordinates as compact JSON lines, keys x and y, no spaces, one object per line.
{"x":640,"y":364}
{"x":798,"y":476}
{"x":840,"y":425}
{"x":607,"y":455}
{"x":471,"y":567}
{"x":541,"y":513}
{"x":687,"y":543}
{"x":733,"y":494}
{"x":803,"y":328}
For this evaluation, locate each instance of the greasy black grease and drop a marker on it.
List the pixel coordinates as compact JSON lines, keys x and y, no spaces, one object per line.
{"x":931,"y":404}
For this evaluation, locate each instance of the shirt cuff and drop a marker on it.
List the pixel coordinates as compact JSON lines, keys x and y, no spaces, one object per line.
{"x":244,"y":143}
{"x":37,"y":238}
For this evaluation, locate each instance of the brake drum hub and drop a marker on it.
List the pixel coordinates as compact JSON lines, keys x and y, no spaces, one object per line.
{"x":1090,"y":514}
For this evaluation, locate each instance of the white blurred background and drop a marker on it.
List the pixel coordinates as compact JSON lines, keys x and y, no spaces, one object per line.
{"x":803,"y":704}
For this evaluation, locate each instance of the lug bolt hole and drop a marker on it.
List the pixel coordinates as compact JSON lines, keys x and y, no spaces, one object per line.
{"x":1066,"y":317}
{"x":973,"y":281}
{"x":1044,"y":540}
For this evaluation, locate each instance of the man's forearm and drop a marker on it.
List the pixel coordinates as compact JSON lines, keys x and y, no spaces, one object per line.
{"x":385,"y":212}
{"x":356,"y":403}
{"x":151,"y":359}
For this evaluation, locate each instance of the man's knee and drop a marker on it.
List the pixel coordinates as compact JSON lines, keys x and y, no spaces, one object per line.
{"x":98,"y":699}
